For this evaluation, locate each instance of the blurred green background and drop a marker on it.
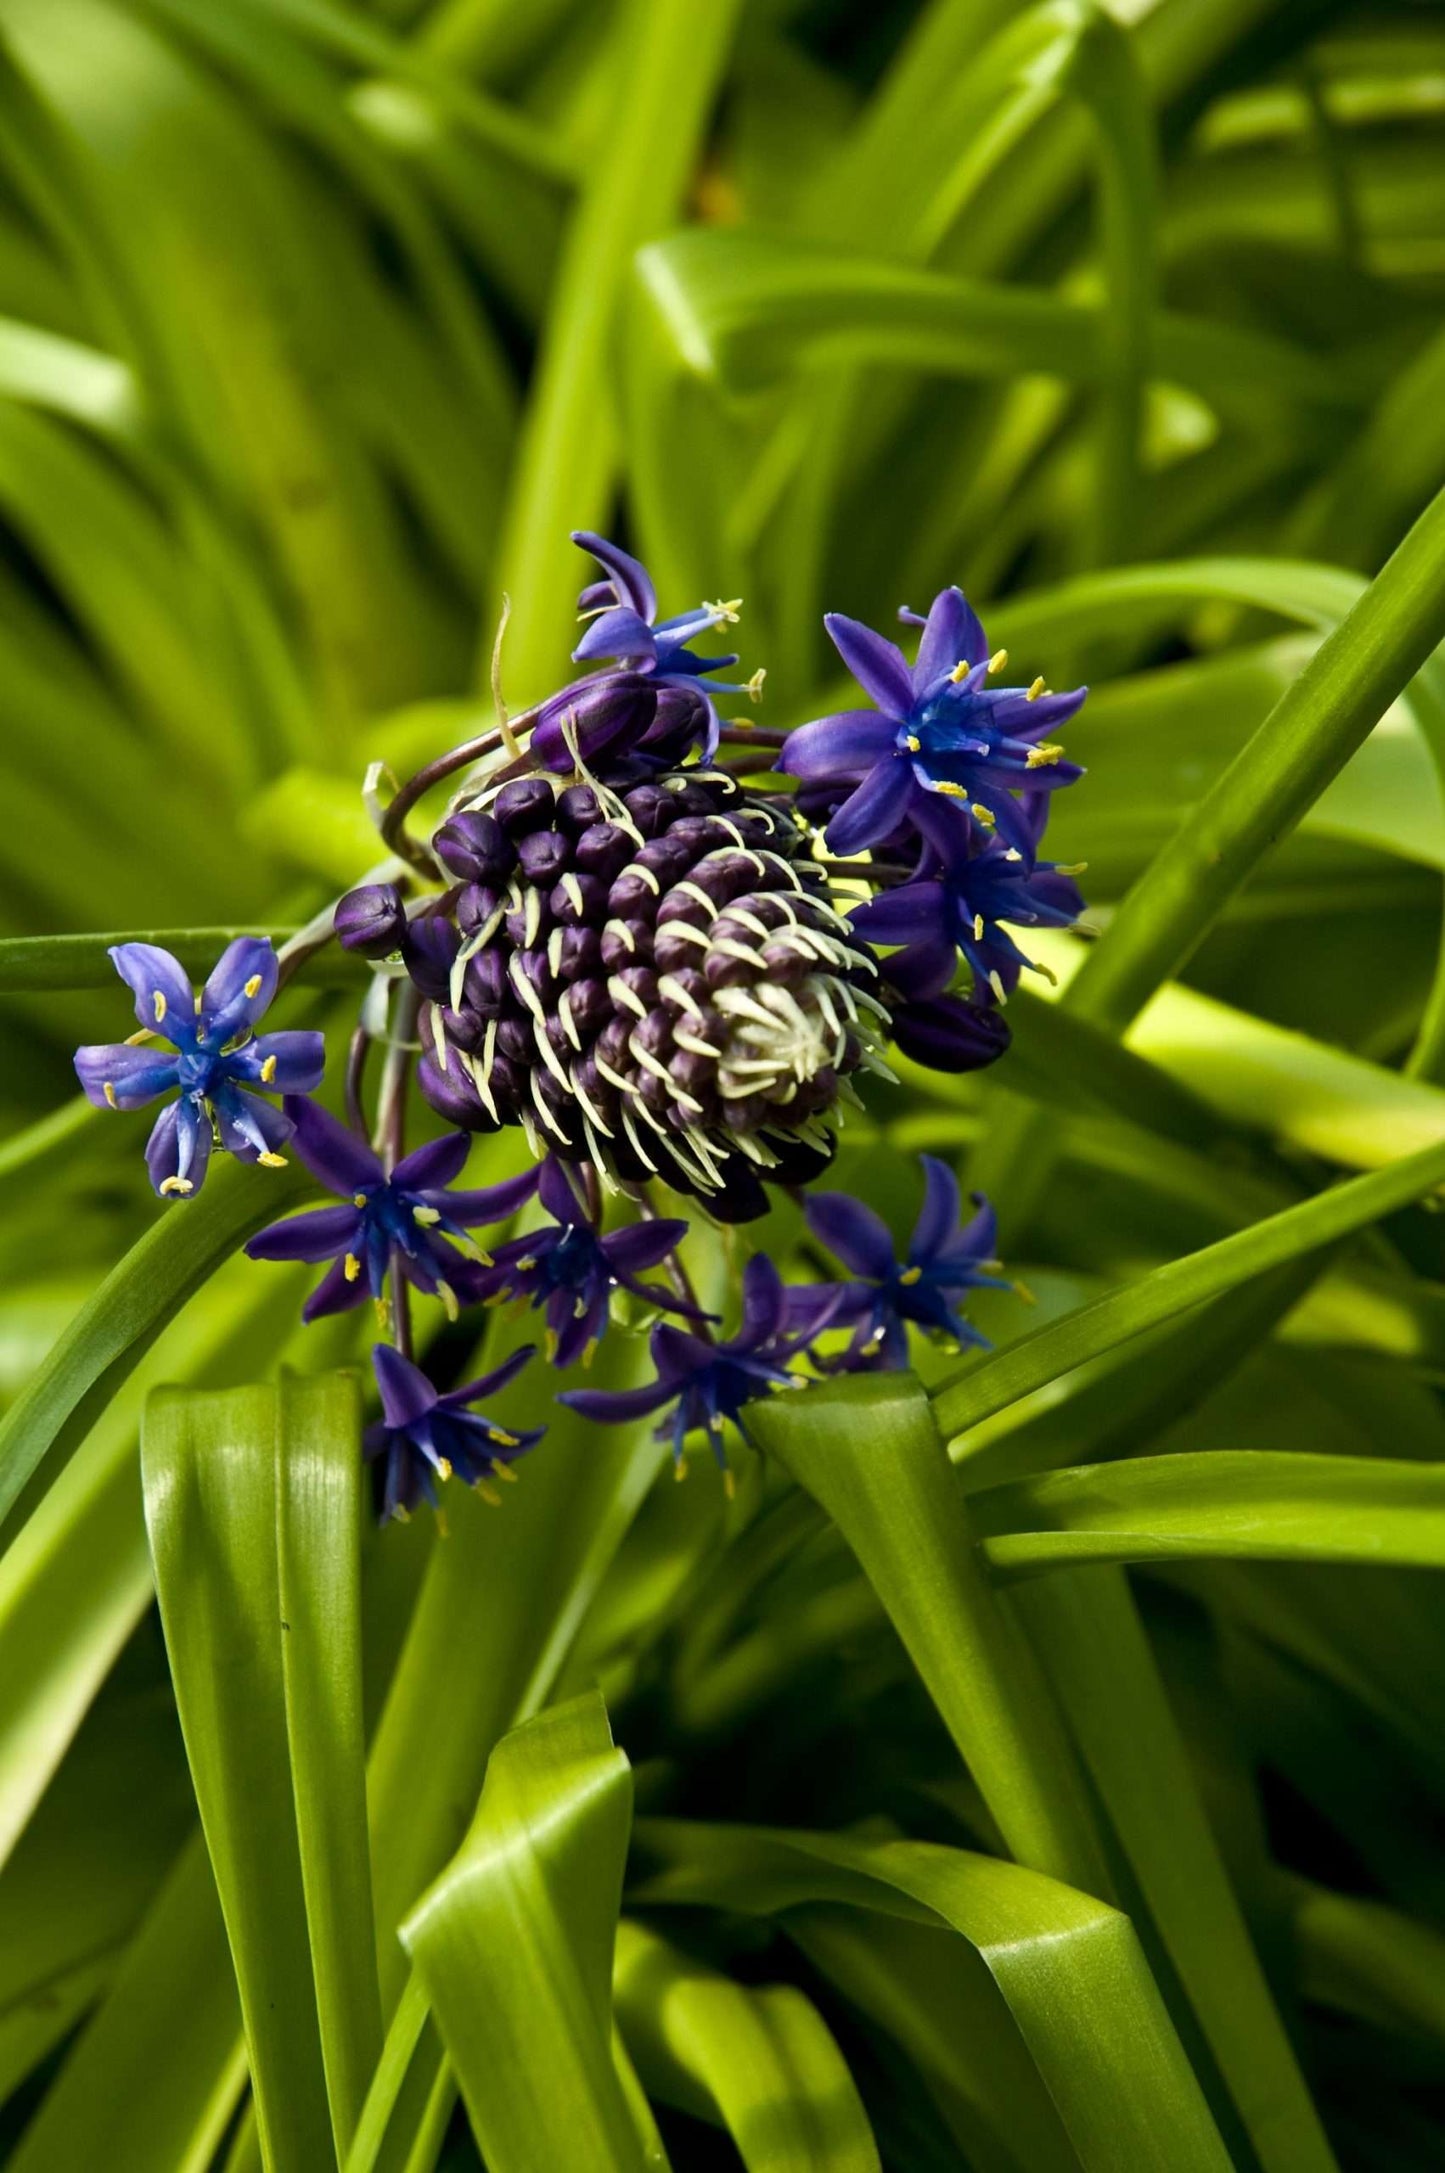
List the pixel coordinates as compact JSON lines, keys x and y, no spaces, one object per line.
{"x":321,"y":323}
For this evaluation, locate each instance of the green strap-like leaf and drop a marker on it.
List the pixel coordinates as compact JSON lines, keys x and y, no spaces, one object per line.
{"x":760,"y":2062}
{"x":514,"y":1946}
{"x":1120,"y":1315}
{"x":1069,"y":1967}
{"x":1253,"y":1504}
{"x":867,"y":1449}
{"x":68,"y":962}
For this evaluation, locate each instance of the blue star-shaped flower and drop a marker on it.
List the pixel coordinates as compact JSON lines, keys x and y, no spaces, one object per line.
{"x":969,"y":884}
{"x":661,"y":701}
{"x":424,"y":1437}
{"x":939,"y":728}
{"x":946,"y":1259}
{"x":708,"y":1381}
{"x":402,"y":1221}
{"x":214,"y":1062}
{"x":571,"y":1270}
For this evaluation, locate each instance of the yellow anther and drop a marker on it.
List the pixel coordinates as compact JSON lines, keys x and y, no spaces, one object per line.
{"x":730,"y":1484}
{"x":960,"y":670}
{"x":679,"y":1469}
{"x":1021,"y":1290}
{"x":551,"y":1347}
{"x":110,"y":1095}
{"x":380,"y":1304}
{"x":589,"y":1350}
{"x":177,"y":1184}
{"x":1043,"y":758}
{"x":351,"y":1267}
{"x":253,"y":986}
{"x":526,"y":1264}
{"x":268,"y":1071}
{"x":952,"y":792}
{"x":913,"y":743}
{"x":271,"y":1161}
{"x":978,"y":927}
{"x":159,"y":1003}
{"x":503,"y":1439}
{"x":426,"y":1215}
{"x":358,"y":1199}
{"x":998,"y":660}
{"x":754,"y":687}
{"x":1036,"y":689}
{"x":443,"y":1467}
{"x":489,"y":1494}
{"x":982,"y":814}
{"x":997,"y":986}
{"x":911,"y":1276}
{"x":504,"y":1471}
{"x":403,"y":1514}
{"x":725,"y":614}
{"x":449,"y":1301}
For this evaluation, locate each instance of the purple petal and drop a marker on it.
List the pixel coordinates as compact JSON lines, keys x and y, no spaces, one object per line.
{"x":641,"y":1245}
{"x":240,"y":988}
{"x":914,"y":913}
{"x":875,"y":810}
{"x":133,"y":1076}
{"x":619,"y":633}
{"x":249,"y":1127}
{"x":631,"y":582}
{"x":330,"y":1150}
{"x":317,"y":1236}
{"x":844,"y":745}
{"x":938,"y":1219}
{"x":612,"y":1406}
{"x":178,"y":1149}
{"x":489,"y":1203}
{"x":430,"y":1167}
{"x":859,"y":1238}
{"x":296,"y":1061}
{"x":923,"y":969}
{"x":336,"y":1292}
{"x":809,"y":1308}
{"x":951,"y":634}
{"x":164,"y":1000}
{"x":762,"y":1302}
{"x":554,"y":1191}
{"x":487,"y":1384}
{"x":877,"y":664}
{"x":977,"y":1240}
{"x":406,"y":1393}
{"x":944,"y":1033}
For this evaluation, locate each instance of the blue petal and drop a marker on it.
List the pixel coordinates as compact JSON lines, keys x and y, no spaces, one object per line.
{"x":951,"y":635}
{"x":178,"y":1149}
{"x":845,"y":745}
{"x":763,"y":1303}
{"x":239,"y":991}
{"x":322,"y":1235}
{"x":859,"y":1238}
{"x":617,"y":633}
{"x":913,"y":913}
{"x":296,"y":1060}
{"x":406,"y":1393}
{"x":331,"y":1151}
{"x":877,"y":664}
{"x":938,"y":1220}
{"x":249,"y":1127}
{"x":164,"y":1000}
{"x":631,"y":582}
{"x":133,"y":1076}
{"x":875,"y":810}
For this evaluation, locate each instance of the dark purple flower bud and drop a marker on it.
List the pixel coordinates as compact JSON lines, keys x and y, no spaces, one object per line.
{"x":609,"y":714}
{"x":578,"y":898}
{"x":476,"y":906}
{"x":590,"y":1007}
{"x":486,"y":983}
{"x":668,"y":858}
{"x":370,"y":920}
{"x":429,"y":947}
{"x":603,"y":850}
{"x":945,"y":1033}
{"x":474,"y":846}
{"x":452,"y":1094}
{"x":515,"y":1038}
{"x":626,"y":943}
{"x":526,"y":804}
{"x":577,"y":809}
{"x":682,"y":718}
{"x":649,"y":806}
{"x":581,"y":954}
{"x":544,"y":854}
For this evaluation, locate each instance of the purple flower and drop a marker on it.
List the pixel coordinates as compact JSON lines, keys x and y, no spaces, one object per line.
{"x":424,"y":1437}
{"x":402,"y":1221}
{"x":938,"y":728}
{"x":568,"y":1268}
{"x":968,"y":885}
{"x":946,"y":1259}
{"x":661,"y":700}
{"x":708,"y":1381}
{"x":213,"y":1061}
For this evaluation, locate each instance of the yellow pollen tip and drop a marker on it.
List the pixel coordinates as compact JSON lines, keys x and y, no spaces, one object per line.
{"x":726,"y":614}
{"x":730,"y":1484}
{"x":110,"y":1095}
{"x":159,"y":1003}
{"x":679,"y":1469}
{"x":426,"y":1215}
{"x":351,"y":1267}
{"x":983,"y":815}
{"x":449,"y":1301}
{"x":912,"y":743}
{"x":978,"y":927}
{"x":998,"y":660}
{"x":271,"y":1161}
{"x":1036,"y":689}
{"x":503,"y":1439}
{"x":489,"y":1494}
{"x":589,"y":1350}
{"x":911,"y":1276}
{"x":526,"y":1264}
{"x":755,"y":684}
{"x":444,"y":1469}
{"x":960,"y":671}
{"x":504,"y":1471}
{"x":253,"y":986}
{"x":358,"y":1199}
{"x":181,"y":1185}
{"x":268,"y":1071}
{"x":950,"y":791}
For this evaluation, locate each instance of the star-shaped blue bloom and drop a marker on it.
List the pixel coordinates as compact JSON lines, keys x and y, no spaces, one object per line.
{"x":401,"y":1222}
{"x":969,"y":885}
{"x":946,"y":1259}
{"x":661,"y":701}
{"x":708,"y":1381}
{"x":939,"y":727}
{"x":568,"y":1268}
{"x":423,"y":1437}
{"x":213,"y":1062}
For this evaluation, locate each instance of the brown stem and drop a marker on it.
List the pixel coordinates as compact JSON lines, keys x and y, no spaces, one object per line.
{"x":356,"y":1056}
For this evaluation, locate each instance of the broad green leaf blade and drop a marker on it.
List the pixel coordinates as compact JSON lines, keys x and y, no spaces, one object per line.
{"x":1068,"y":1966}
{"x":760,"y":2062}
{"x":110,"y":1334}
{"x":152,"y":2083}
{"x":1247,"y":1503}
{"x":320,"y":1509}
{"x":209,"y":1465}
{"x":1120,"y":1315}
{"x":867,"y":1450}
{"x":405,"y":2084}
{"x":514,"y":1946}
{"x":71,"y":962}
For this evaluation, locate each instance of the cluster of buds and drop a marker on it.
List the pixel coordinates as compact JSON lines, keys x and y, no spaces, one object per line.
{"x":668,"y":967}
